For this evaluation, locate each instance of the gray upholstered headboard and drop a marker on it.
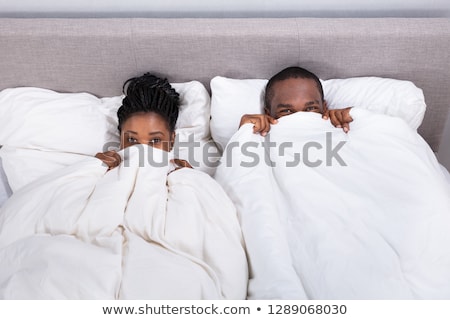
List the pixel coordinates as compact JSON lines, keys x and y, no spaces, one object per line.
{"x":97,"y":55}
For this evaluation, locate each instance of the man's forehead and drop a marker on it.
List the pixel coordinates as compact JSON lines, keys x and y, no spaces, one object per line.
{"x":299,"y":88}
{"x":295,"y":82}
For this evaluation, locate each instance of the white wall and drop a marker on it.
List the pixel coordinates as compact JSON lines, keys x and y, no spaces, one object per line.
{"x":227,"y":8}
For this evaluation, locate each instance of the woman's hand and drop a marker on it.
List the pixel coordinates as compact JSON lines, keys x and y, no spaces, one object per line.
{"x":179,"y":164}
{"x":110,"y":158}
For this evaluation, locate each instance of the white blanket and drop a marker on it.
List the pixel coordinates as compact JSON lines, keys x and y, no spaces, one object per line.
{"x":363,"y":215}
{"x":134,"y":232}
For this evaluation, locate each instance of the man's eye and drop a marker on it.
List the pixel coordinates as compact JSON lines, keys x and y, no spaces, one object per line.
{"x":310,"y":108}
{"x":284,"y":111}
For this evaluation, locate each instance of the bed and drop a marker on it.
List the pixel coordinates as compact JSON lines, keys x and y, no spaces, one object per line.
{"x":70,"y":65}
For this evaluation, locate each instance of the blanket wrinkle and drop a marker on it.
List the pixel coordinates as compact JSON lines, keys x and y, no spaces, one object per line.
{"x":137,"y":214}
{"x":121,"y":234}
{"x":367,"y":229}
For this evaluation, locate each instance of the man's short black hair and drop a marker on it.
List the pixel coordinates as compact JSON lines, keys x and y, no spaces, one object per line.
{"x":289,"y":73}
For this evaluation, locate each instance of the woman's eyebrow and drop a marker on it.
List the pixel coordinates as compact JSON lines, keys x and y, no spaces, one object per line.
{"x":155,"y":132}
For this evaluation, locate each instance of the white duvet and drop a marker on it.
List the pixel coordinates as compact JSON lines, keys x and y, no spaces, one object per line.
{"x":134,"y":232}
{"x":363,"y":215}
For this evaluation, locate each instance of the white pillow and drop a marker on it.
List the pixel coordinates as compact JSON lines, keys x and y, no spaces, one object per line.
{"x":398,"y":98}
{"x":5,"y":189}
{"x":232,"y":98}
{"x":51,"y":129}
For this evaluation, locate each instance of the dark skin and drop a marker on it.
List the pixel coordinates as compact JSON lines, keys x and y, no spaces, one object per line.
{"x":296,"y":95}
{"x":143,"y":128}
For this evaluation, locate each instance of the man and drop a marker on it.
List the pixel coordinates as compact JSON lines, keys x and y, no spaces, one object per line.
{"x":371,"y":226}
{"x":295,"y":89}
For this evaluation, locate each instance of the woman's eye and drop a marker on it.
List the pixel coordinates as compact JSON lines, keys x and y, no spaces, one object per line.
{"x":154,"y":141}
{"x":284,"y":111}
{"x":131,"y":140}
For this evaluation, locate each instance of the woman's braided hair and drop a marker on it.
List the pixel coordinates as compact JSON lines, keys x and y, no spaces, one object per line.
{"x":149,"y":93}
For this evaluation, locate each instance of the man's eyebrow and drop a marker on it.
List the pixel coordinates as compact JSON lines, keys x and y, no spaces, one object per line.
{"x":284,"y":105}
{"x":287,"y":105}
{"x":310,"y":103}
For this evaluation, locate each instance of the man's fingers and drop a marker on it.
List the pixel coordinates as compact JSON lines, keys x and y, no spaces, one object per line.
{"x":262,"y":126}
{"x":339,"y":116}
{"x":261,"y":122}
{"x":334,"y":121}
{"x":346,"y":127}
{"x":267,"y":122}
{"x":347,"y":117}
{"x":272,"y":120}
{"x":257,"y":127}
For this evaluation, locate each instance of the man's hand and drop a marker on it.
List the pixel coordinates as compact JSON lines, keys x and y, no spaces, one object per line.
{"x":110,"y":158}
{"x":261,"y":122}
{"x":340,"y":118}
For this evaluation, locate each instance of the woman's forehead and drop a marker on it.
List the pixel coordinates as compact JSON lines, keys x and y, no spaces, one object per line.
{"x":145,"y":120}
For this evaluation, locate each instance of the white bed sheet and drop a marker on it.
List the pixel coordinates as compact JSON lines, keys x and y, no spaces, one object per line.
{"x":446,"y":173}
{"x":135,"y":232}
{"x":5,"y":190}
{"x":376,"y":228}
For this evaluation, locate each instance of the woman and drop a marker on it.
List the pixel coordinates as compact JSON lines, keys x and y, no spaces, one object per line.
{"x":140,"y":231}
{"x":148,"y":115}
